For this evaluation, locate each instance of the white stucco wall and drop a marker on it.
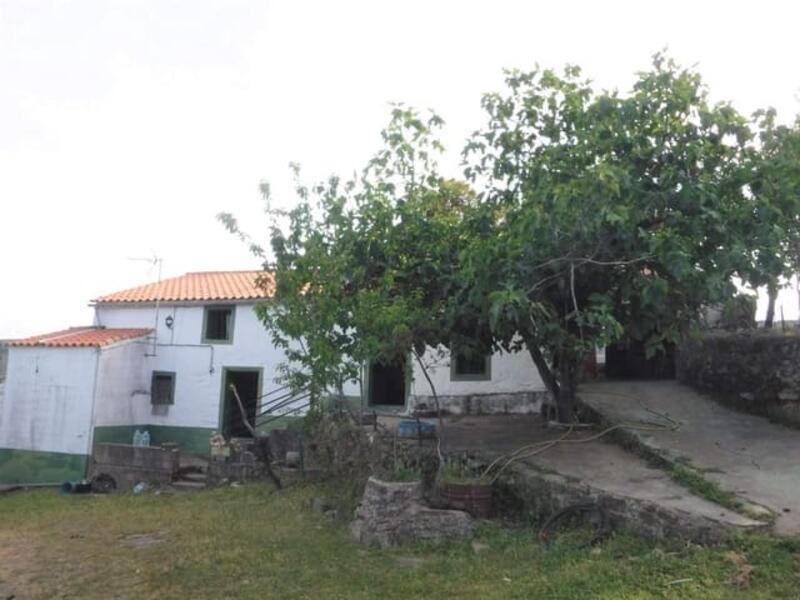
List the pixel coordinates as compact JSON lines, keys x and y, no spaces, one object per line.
{"x":510,"y":373}
{"x":123,"y":385}
{"x":198,"y":367}
{"x":198,"y":385}
{"x":48,"y":400}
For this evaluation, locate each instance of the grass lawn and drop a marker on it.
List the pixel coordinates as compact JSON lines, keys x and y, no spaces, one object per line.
{"x":251,"y":542}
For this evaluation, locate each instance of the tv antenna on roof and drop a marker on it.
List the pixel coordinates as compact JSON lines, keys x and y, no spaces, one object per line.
{"x":155,"y":261}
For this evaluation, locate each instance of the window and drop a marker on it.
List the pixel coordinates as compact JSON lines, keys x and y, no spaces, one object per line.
{"x":162,"y":388}
{"x":218,"y":324}
{"x":471,"y":367}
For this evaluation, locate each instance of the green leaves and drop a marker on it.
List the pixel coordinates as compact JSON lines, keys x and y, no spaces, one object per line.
{"x":364,"y":269}
{"x":617,"y":214}
{"x":598,"y":215}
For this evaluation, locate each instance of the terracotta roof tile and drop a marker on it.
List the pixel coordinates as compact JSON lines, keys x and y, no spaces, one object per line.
{"x":199,"y":287}
{"x":81,"y":337}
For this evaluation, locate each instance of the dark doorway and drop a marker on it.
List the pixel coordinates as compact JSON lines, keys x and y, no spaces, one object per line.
{"x":629,"y":360}
{"x":387,"y":384}
{"x":248,"y":385}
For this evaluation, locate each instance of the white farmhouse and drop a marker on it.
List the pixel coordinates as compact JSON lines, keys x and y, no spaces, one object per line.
{"x":160,"y":358}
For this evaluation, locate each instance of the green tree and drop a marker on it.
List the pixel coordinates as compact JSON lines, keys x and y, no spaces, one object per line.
{"x":773,"y":177}
{"x":603,"y":215}
{"x":363,"y":271}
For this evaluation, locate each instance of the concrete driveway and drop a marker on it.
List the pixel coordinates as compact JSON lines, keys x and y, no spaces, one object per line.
{"x":749,"y":455}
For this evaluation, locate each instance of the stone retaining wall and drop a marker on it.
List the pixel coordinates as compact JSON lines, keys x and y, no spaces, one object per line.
{"x":484,"y":404}
{"x":130,"y":464}
{"x":758,"y":371}
{"x":533,"y":495}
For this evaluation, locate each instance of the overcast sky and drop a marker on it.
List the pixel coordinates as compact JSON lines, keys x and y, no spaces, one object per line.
{"x":125,"y":126}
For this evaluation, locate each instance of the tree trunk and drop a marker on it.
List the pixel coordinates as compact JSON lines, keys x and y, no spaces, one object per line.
{"x":568,"y":385}
{"x":563,"y":387}
{"x":440,"y":438}
{"x":772,"y":296}
{"x":545,"y":372}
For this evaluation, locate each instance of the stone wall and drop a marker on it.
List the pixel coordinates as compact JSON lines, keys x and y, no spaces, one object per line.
{"x":393,"y":513}
{"x":757,"y":371}
{"x":528,"y":494}
{"x":484,"y":404}
{"x":130,"y":464}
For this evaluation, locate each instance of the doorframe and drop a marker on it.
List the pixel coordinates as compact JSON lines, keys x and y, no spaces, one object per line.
{"x":223,"y":378}
{"x":409,"y":377}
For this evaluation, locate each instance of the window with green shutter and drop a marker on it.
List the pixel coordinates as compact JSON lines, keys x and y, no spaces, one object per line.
{"x":162,"y":388}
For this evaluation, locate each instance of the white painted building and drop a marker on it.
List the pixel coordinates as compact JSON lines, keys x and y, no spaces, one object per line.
{"x":160,"y":358}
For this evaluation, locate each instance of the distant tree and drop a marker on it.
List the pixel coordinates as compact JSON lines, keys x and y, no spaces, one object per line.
{"x":773,"y":177}
{"x":603,"y":214}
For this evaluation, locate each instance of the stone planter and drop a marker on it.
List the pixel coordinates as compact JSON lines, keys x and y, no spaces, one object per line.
{"x":475,"y":498}
{"x":393,"y":512}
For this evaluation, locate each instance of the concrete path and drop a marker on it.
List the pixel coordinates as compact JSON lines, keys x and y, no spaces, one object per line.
{"x":746,"y":454}
{"x":596,"y":465}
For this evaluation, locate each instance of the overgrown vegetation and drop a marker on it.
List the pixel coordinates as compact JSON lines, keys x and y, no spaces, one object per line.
{"x":249,"y":542}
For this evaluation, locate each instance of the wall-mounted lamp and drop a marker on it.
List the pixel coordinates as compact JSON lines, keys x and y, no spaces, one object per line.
{"x":169,"y":321}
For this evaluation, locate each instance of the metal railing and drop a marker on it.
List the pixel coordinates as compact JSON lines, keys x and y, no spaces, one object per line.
{"x":281,"y":402}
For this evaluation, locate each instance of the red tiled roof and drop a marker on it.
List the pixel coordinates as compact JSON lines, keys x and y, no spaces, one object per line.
{"x":199,"y":287}
{"x":81,"y":337}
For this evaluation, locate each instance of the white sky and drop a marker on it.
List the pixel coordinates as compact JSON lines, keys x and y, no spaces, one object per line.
{"x":126,"y":126}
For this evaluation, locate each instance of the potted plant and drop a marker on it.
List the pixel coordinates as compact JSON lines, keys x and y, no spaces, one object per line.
{"x":464,"y":489}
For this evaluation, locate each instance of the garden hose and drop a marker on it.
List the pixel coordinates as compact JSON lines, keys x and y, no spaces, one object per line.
{"x":505,"y":460}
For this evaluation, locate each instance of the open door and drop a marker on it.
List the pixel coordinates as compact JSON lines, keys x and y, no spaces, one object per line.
{"x":248,"y":384}
{"x":387,"y":384}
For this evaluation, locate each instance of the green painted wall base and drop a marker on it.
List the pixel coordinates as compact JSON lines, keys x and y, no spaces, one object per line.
{"x":31,"y":466}
{"x":191,"y":440}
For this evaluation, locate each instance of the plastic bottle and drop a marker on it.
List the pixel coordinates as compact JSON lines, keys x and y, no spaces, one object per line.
{"x":145,"y":439}
{"x":137,"y":438}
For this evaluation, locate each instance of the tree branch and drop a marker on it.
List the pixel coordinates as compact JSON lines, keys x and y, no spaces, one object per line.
{"x":261,"y":442}
{"x":438,"y":407}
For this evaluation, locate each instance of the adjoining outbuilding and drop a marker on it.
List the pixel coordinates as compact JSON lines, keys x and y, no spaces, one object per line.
{"x":50,"y":394}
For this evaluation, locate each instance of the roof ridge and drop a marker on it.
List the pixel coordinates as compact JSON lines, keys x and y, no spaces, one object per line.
{"x":57,"y":335}
{"x":224,"y":271}
{"x":197,"y":286}
{"x":94,"y":336}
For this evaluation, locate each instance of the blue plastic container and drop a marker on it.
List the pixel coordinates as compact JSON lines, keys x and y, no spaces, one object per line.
{"x":76,"y":487}
{"x":415,"y":429}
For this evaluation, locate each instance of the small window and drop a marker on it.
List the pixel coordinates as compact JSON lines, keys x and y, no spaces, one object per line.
{"x":218,"y":325}
{"x":162,"y":388}
{"x":471,"y":367}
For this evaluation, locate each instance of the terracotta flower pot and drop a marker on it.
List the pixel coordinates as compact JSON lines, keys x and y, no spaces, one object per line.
{"x":474,"y":498}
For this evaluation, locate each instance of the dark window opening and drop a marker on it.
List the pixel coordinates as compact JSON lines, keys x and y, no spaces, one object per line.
{"x":248,"y":387}
{"x":218,"y":325}
{"x":162,"y":388}
{"x":387,"y":384}
{"x":471,"y":367}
